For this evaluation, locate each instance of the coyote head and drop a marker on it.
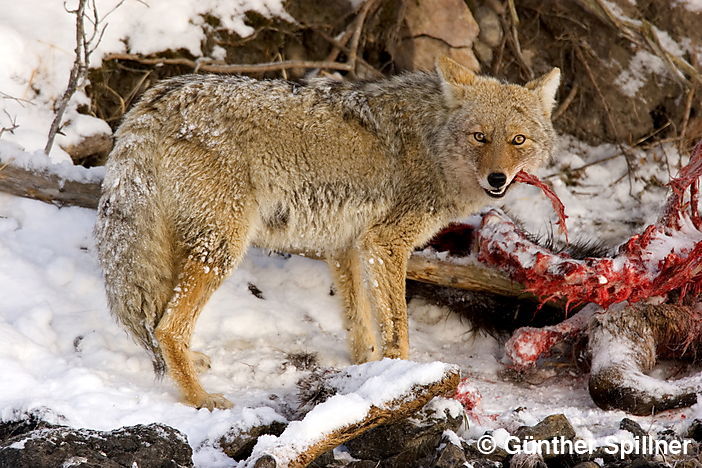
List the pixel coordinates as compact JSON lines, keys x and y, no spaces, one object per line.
{"x":494,"y":129}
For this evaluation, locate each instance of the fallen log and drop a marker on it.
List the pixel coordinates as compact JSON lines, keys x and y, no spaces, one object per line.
{"x":59,"y":184}
{"x":429,"y":268}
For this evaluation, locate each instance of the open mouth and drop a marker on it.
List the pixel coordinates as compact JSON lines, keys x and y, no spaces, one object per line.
{"x":498,"y":193}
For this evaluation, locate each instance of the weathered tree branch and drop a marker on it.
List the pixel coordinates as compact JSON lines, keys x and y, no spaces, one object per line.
{"x":80,"y":66}
{"x":12,"y":126}
{"x":85,"y":46}
{"x":214,"y":66}
{"x":47,"y":186}
{"x":472,"y":276}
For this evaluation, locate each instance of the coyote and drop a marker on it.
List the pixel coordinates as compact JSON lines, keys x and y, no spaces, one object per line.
{"x":362,"y":172}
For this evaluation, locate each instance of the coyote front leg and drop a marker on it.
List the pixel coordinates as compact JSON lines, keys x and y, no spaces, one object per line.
{"x":348,"y":279}
{"x":384,"y":256}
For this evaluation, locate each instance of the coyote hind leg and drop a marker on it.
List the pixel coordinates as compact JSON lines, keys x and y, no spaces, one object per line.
{"x":199,"y":275}
{"x":194,"y":287}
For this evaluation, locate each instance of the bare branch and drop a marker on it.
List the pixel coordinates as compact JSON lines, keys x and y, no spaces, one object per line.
{"x":566,"y":102}
{"x":339,"y":46}
{"x":84,"y":48}
{"x":13,"y":124}
{"x":77,"y":72}
{"x":94,"y":46}
{"x":214,"y":66}
{"x":20,"y":101}
{"x":119,"y":4}
{"x":643,"y":33}
{"x":358,"y":28}
{"x":65,"y":7}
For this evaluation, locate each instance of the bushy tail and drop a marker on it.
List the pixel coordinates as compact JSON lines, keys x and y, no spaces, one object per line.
{"x":135,"y":243}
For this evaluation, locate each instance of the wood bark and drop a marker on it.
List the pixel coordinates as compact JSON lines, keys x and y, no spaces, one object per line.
{"x":48,"y":187}
{"x":471,"y":276}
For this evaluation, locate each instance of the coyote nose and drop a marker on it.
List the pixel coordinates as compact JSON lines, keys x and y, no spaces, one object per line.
{"x":497,"y":179}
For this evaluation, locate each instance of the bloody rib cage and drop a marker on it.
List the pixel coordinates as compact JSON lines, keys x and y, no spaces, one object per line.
{"x":666,"y":257}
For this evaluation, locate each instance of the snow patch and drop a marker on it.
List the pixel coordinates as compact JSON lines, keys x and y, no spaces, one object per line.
{"x":691,"y":5}
{"x":643,"y":63}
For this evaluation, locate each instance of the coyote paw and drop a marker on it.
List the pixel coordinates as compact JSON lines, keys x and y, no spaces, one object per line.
{"x":212,"y":401}
{"x":201,"y":361}
{"x":365,"y":355}
{"x":396,"y":353}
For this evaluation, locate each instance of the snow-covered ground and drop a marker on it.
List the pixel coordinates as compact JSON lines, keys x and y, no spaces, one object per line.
{"x":63,"y":356}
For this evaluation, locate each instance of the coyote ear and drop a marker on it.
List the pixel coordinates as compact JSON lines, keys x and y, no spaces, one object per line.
{"x":453,"y":75}
{"x":546,"y":87}
{"x":453,"y":72}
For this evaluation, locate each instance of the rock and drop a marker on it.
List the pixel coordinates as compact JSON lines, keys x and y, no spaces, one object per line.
{"x":489,"y":24}
{"x":266,"y":462}
{"x":498,"y":455}
{"x":688,"y":463}
{"x":695,"y":430}
{"x":324,"y":460}
{"x":482,"y":463}
{"x":490,"y":36}
{"x":483,"y":52}
{"x":155,"y":445}
{"x":556,"y":425}
{"x":632,"y":426}
{"x":433,"y":28}
{"x":638,"y":463}
{"x":449,"y":21}
{"x":18,"y":427}
{"x":404,"y":442}
{"x":524,"y":460}
{"x":451,"y":456}
{"x":238,"y":445}
{"x":362,"y":464}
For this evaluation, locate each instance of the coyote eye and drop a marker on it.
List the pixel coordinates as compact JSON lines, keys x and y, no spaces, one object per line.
{"x":518,"y":139}
{"x":479,"y":137}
